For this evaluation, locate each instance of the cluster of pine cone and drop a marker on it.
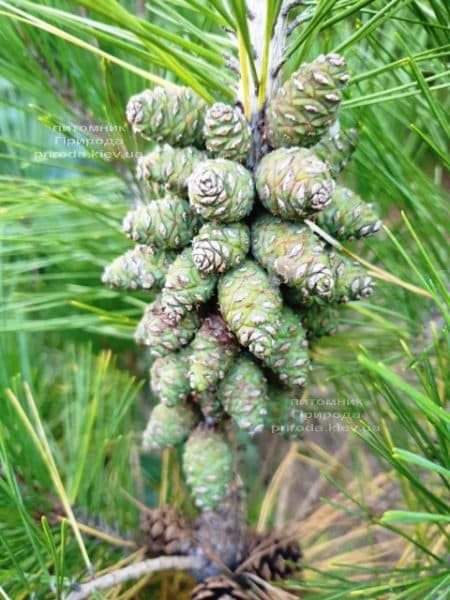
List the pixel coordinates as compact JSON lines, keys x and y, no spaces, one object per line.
{"x":244,"y":284}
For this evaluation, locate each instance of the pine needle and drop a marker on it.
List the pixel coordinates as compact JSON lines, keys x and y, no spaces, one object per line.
{"x":42,"y":446}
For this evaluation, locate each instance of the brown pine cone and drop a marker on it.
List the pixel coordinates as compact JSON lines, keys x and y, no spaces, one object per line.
{"x":266,"y":556}
{"x":166,"y":531}
{"x":219,"y":587}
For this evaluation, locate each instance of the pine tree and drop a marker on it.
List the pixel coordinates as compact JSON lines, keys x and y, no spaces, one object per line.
{"x":68,"y":436}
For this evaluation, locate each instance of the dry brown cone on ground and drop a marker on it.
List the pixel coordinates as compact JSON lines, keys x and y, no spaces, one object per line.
{"x":166,"y":531}
{"x":270,"y":556}
{"x":220,"y":587}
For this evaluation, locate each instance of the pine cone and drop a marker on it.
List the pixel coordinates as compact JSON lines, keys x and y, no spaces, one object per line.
{"x":185,"y":287}
{"x":167,"y":115}
{"x":289,"y":357}
{"x":166,"y":531}
{"x":307,"y":104}
{"x":219,"y":587}
{"x":251,"y":306}
{"x":217,"y":248}
{"x":165,"y":223}
{"x":208,"y":466}
{"x":162,"y":336}
{"x":317,"y":319}
{"x":352,"y":280}
{"x":267,"y":556}
{"x":221,"y":190}
{"x":168,"y":378}
{"x":243,"y":393}
{"x":337,"y":150}
{"x":210,"y":406}
{"x":168,"y":427}
{"x":293,"y":183}
{"x":348,"y":217}
{"x":140,"y":267}
{"x":166,"y":169}
{"x":211,"y":353}
{"x":227,"y":132}
{"x":293,"y":253}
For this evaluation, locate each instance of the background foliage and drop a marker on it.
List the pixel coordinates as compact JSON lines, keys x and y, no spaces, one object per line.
{"x":370,"y":505}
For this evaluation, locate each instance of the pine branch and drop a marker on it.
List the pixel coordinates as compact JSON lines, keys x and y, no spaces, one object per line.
{"x":135,"y":571}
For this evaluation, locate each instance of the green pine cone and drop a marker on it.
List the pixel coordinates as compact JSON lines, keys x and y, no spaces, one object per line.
{"x":352,"y":280}
{"x":217,"y":248}
{"x":285,"y":416}
{"x":289,"y":358}
{"x":221,"y":190}
{"x":185,"y":287}
{"x":166,"y":169}
{"x":140,"y":267}
{"x":160,"y":335}
{"x":168,"y":427}
{"x":165,"y":223}
{"x":210,"y":406}
{"x":307,"y":104}
{"x":319,"y":321}
{"x":168,"y":378}
{"x":293,"y":183}
{"x":337,"y":150}
{"x":293,"y":253}
{"x":251,"y":306}
{"x":227,"y":132}
{"x":208,"y":466}
{"x":172,"y":115}
{"x":211,"y":353}
{"x":243,"y":393}
{"x":348,"y":217}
